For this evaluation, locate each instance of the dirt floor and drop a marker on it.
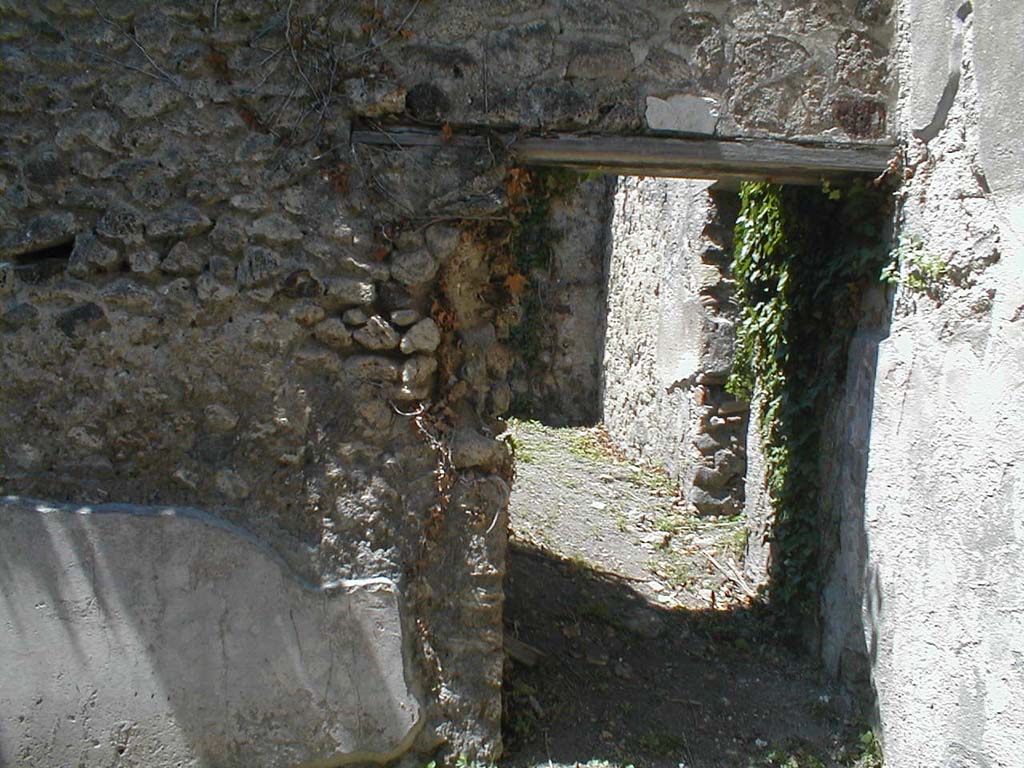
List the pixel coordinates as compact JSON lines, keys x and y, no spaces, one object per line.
{"x":642,"y":645}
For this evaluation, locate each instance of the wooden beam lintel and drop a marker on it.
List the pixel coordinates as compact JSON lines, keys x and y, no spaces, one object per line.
{"x":691,"y":157}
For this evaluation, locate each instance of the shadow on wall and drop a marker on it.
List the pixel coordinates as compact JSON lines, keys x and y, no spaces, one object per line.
{"x":851,"y":590}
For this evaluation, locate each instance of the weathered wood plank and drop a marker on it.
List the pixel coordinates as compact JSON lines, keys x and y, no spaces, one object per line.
{"x":703,"y":158}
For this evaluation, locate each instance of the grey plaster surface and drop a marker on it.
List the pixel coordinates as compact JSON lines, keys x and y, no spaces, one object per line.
{"x":998,"y":57}
{"x":150,"y":636}
{"x":931,"y":549}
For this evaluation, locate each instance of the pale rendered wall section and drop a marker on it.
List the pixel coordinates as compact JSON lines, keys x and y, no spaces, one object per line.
{"x":941,"y":577}
{"x":160,"y":637}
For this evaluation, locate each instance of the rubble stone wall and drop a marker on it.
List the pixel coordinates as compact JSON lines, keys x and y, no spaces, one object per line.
{"x":670,"y":329}
{"x":209,"y":298}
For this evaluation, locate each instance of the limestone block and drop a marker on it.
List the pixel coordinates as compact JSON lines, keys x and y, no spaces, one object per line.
{"x":161,"y":637}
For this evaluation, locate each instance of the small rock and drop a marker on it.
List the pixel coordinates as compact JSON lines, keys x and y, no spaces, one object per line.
{"x":422,"y":337}
{"x":97,"y":128}
{"x":274,"y":229}
{"x":333,"y":333}
{"x":706,"y":444}
{"x":501,"y":397}
{"x":372,"y":368}
{"x":259,"y":266}
{"x":706,"y":477}
{"x":413,"y":268}
{"x":182,"y":260}
{"x":222,"y":268}
{"x":307,"y":314}
{"x":418,"y":369}
{"x":143,"y":262}
{"x":469,"y":448}
{"x":229,"y":234}
{"x":220,"y":418}
{"x":122,"y":224}
{"x":404,"y":317}
{"x":90,"y":255}
{"x":231,"y":484}
{"x":427,"y":103}
{"x":149,"y":99}
{"x":346,"y":291}
{"x":598,"y":505}
{"x":732,"y":407}
{"x":644,"y":623}
{"x":442,"y":240}
{"x":300,"y":284}
{"x":20,"y":315}
{"x":7,"y":277}
{"x":42,"y":232}
{"x":82,"y":320}
{"x":186,"y":477}
{"x":374,"y":96}
{"x":180,"y":222}
{"x":208,"y":289}
{"x":354,"y":316}
{"x":377,"y":334}
{"x":682,"y":114}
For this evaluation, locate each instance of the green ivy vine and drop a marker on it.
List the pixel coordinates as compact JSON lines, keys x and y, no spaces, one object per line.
{"x":802,"y":258}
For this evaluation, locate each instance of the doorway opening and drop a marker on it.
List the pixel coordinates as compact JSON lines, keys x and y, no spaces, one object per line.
{"x":633,"y":631}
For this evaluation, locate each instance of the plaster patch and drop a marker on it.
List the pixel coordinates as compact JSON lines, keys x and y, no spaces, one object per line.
{"x":682,"y":114}
{"x":167,"y":637}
